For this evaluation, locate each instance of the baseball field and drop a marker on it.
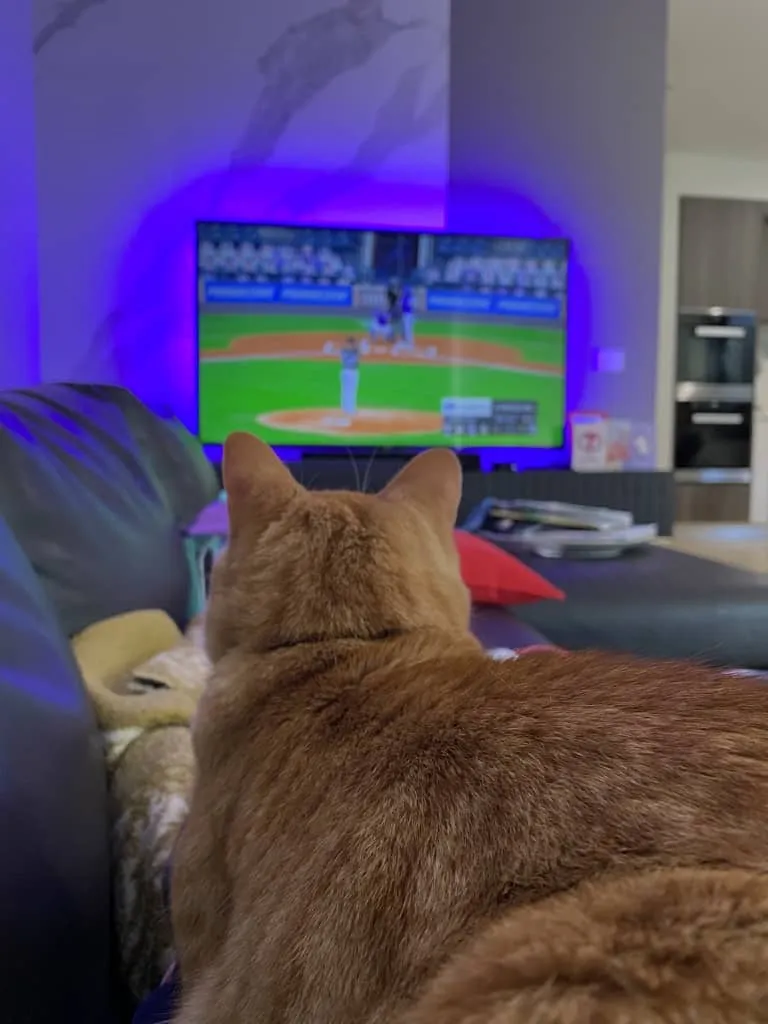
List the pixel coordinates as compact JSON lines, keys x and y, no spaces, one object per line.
{"x":278,"y":375}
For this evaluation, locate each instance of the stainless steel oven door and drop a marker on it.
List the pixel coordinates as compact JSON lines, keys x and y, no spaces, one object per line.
{"x":715,"y":348}
{"x":713,"y":434}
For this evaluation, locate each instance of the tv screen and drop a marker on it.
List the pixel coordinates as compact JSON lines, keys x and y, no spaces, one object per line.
{"x":327,"y":336}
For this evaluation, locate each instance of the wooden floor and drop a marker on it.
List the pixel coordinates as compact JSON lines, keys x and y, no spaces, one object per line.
{"x":741,"y":544}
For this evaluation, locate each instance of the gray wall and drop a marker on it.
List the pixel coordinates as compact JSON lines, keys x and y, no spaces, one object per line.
{"x":18,"y":220}
{"x":562,"y":102}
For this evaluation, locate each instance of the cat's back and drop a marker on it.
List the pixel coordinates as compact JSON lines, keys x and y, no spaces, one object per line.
{"x":420,"y":732}
{"x":552,"y":762}
{"x":391,"y":697}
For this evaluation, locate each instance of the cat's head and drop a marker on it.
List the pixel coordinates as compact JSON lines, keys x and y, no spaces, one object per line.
{"x":314,"y":566}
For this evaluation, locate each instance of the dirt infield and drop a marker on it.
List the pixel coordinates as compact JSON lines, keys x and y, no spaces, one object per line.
{"x":444,"y":352}
{"x":370,"y":422}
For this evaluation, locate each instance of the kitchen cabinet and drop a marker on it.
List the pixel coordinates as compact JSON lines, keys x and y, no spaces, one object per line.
{"x":711,"y":503}
{"x":720,"y":250}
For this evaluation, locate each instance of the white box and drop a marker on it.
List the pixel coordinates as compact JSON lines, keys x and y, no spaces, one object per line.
{"x":598,"y":443}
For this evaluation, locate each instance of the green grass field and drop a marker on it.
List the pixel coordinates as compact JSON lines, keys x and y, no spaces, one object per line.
{"x":235,"y":392}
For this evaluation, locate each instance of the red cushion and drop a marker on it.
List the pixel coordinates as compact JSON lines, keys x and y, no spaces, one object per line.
{"x":495,"y":577}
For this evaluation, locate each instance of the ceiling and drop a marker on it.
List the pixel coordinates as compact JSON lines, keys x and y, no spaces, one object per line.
{"x":718,"y":77}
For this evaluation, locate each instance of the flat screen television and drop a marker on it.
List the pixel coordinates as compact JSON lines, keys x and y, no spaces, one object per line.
{"x":314,"y":336}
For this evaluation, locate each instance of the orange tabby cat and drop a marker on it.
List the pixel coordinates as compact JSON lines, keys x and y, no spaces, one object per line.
{"x":387,"y":825}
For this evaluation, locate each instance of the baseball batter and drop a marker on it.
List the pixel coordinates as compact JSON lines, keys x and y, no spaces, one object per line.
{"x":395,"y":325}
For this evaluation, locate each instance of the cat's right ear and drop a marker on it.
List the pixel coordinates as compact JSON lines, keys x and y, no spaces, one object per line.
{"x":431,"y":480}
{"x":258,"y":484}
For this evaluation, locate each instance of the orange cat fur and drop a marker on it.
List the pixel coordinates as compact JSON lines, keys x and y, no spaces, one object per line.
{"x":677,"y":945}
{"x":379,"y":806}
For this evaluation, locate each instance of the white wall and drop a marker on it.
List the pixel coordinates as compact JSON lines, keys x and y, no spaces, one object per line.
{"x":714,"y":177}
{"x":151,"y":115}
{"x":19,"y":354}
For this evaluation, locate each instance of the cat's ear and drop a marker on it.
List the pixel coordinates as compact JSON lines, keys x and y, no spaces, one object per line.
{"x":433,"y":481}
{"x":258,"y":484}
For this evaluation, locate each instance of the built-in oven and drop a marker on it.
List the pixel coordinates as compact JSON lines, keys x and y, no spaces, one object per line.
{"x":716,"y":346}
{"x":713,"y":430}
{"x":716,"y":351}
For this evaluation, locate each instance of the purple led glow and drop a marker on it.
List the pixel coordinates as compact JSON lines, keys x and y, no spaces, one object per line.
{"x":156,"y":352}
{"x":155,"y":345}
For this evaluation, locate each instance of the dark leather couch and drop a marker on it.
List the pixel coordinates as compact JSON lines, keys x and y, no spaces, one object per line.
{"x":657,"y":603}
{"x":94,"y":493}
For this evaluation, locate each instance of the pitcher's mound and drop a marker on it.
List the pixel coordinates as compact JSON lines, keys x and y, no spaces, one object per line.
{"x":334,"y":423}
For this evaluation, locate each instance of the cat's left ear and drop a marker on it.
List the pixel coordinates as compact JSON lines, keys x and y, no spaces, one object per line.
{"x":432,"y":481}
{"x":258,"y":484}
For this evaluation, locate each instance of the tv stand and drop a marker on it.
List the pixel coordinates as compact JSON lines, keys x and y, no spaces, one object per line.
{"x":648,"y":494}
